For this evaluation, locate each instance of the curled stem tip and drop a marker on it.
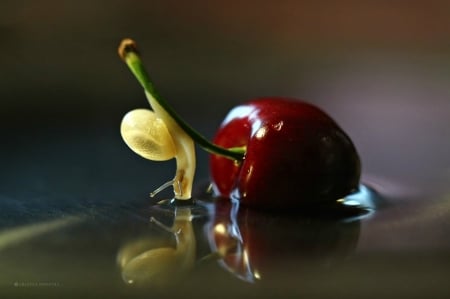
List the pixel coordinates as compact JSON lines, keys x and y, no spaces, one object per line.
{"x":127,"y":45}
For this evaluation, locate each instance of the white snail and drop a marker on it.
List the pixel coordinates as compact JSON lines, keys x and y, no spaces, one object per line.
{"x":161,"y":134}
{"x":154,"y":135}
{"x":147,"y":135}
{"x":157,"y":135}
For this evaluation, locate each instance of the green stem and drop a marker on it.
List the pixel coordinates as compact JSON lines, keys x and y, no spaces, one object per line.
{"x":128,"y":52}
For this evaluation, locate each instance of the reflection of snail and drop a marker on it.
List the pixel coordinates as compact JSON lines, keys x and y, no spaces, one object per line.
{"x":255,"y":246}
{"x":144,"y":264}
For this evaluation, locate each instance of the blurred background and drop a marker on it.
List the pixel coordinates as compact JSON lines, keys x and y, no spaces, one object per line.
{"x":380,"y":68}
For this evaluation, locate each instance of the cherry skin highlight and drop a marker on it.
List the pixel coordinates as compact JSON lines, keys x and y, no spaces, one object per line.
{"x":296,"y":155}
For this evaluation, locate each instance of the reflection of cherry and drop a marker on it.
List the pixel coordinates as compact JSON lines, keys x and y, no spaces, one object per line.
{"x":255,"y":245}
{"x":295,"y":154}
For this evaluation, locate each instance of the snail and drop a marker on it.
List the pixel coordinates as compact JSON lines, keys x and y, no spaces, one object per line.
{"x":161,"y":134}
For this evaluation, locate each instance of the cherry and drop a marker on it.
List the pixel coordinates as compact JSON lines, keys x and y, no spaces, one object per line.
{"x":295,"y":154}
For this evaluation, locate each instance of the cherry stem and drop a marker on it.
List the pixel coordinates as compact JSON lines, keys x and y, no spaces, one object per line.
{"x":129,"y":54}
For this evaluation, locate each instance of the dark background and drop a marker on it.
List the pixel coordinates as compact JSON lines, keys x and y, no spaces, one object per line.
{"x":380,"y":68}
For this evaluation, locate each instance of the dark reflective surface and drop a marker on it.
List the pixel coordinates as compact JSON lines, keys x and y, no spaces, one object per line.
{"x":134,"y":247}
{"x":74,"y":220}
{"x":252,"y":246}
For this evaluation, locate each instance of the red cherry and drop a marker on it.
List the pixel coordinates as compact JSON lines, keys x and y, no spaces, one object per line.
{"x":295,"y":155}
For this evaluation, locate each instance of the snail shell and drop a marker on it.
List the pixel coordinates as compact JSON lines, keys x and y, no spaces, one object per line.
{"x":147,"y":135}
